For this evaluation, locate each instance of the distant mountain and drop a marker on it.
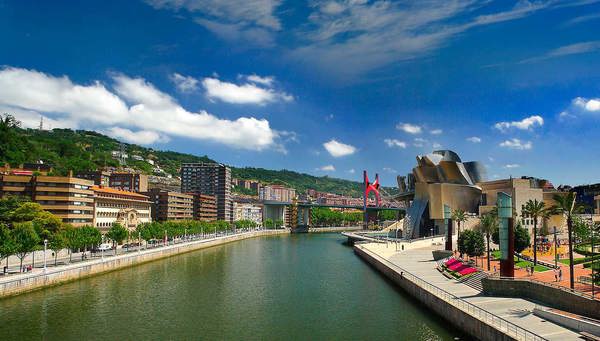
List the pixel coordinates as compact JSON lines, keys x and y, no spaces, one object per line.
{"x":80,"y":150}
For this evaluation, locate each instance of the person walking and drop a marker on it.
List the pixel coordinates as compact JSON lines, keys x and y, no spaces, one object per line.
{"x":556,"y":275}
{"x":560,"y":274}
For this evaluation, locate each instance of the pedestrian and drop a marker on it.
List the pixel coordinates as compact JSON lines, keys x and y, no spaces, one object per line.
{"x":527,"y":270}
{"x":560,"y":274}
{"x":532,"y":269}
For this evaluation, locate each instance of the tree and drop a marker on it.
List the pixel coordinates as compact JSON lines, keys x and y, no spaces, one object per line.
{"x":459,"y":216}
{"x":8,"y":204}
{"x":567,"y":205}
{"x":7,"y":243}
{"x":117,"y":234}
{"x":522,"y":240}
{"x":89,"y":236}
{"x":27,"y":211}
{"x":46,"y":224}
{"x":488,"y":225}
{"x":57,"y":242}
{"x":278,"y":223}
{"x":25,"y":239}
{"x":471,"y":243}
{"x":581,"y":230}
{"x":268,"y":223}
{"x":535,"y":209}
{"x":72,"y":239}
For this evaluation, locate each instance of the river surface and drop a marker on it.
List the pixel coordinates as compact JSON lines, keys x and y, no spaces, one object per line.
{"x":296,"y":287}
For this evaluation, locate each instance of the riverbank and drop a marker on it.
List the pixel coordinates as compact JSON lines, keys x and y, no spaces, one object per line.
{"x":483,"y":317}
{"x":334,"y":229}
{"x":26,"y":282}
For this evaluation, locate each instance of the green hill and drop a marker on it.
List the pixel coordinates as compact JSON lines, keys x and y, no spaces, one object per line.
{"x":80,"y":150}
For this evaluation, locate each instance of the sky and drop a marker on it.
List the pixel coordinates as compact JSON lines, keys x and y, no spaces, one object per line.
{"x":320,"y":87}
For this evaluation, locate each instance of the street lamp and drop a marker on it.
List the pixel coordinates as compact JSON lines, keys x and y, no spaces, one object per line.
{"x":46,"y":246}
{"x":555,"y":248}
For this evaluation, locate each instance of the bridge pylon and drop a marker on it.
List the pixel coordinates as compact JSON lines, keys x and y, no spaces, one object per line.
{"x":368,"y":188}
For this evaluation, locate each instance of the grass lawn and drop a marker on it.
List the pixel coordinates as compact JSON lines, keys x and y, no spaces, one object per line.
{"x":524,"y":263}
{"x":496,"y":254}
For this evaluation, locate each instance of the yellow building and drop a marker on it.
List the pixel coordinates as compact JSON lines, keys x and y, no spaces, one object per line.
{"x":69,"y":198}
{"x":116,"y":206}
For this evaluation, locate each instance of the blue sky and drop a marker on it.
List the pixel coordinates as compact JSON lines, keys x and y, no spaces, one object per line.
{"x":322,"y":87}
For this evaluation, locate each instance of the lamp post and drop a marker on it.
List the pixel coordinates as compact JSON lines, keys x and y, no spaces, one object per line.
{"x":46,"y":246}
{"x":555,"y":249}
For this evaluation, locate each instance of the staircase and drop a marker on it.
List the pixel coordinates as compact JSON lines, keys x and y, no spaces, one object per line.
{"x":474,"y":281}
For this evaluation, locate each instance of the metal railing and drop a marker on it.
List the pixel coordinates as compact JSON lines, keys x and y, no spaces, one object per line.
{"x":481,"y":314}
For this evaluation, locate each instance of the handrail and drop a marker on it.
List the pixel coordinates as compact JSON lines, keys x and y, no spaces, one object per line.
{"x":481,"y":314}
{"x":549,"y":284}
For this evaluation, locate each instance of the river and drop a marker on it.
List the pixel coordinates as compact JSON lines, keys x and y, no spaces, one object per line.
{"x":302,"y":287}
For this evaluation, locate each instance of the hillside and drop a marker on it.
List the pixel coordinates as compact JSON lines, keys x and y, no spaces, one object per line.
{"x":79,"y":150}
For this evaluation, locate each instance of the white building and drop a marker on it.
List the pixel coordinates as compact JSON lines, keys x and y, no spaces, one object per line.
{"x":247,"y":211}
{"x":126,"y":208}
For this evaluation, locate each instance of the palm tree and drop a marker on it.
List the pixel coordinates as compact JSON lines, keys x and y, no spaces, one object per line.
{"x":489,"y":223}
{"x":535,"y":209}
{"x":459,"y":216}
{"x":567,"y":205}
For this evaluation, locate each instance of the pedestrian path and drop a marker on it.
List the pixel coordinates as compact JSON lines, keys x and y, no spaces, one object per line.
{"x":420,"y":263}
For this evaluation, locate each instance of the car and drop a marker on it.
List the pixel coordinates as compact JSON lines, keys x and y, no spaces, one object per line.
{"x":104,"y":247}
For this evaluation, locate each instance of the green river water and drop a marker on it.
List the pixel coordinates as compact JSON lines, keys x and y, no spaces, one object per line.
{"x":289,"y":287}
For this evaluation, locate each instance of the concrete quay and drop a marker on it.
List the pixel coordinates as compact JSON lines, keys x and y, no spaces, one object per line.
{"x":483,"y":317}
{"x":22,"y":283}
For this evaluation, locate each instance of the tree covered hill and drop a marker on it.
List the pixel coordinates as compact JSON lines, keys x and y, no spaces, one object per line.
{"x":80,"y":150}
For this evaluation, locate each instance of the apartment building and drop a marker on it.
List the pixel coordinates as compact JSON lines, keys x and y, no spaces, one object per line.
{"x":205,"y":207}
{"x":124,"y":207}
{"x":522,"y":190}
{"x":276,"y":193}
{"x":99,"y":177}
{"x":131,"y":182}
{"x":210,"y":179}
{"x":169,"y":205}
{"x":67,"y":197}
{"x":248,"y":211}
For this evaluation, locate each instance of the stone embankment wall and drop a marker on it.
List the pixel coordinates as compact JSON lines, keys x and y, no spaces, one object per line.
{"x":459,"y":319}
{"x":19,"y":284}
{"x":551,"y":296}
{"x":334,"y":229}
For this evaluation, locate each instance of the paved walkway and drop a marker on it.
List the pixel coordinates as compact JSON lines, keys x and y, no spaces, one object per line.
{"x":420,"y":263}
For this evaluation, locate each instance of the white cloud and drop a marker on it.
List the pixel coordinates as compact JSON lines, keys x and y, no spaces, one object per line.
{"x":512,"y":165}
{"x":409,"y":128}
{"x":419,"y":142}
{"x":577,"y":48}
{"x":338,"y":149}
{"x":267,"y":80}
{"x":184,"y":83}
{"x":527,"y":123}
{"x":516,"y":144}
{"x":395,"y":143}
{"x":389,"y":170}
{"x":327,"y":168}
{"x":135,"y":105}
{"x":436,"y":131}
{"x":368,"y":35}
{"x":351,"y":171}
{"x":591,"y":105}
{"x":474,"y":139}
{"x":248,"y":93}
{"x":142,"y":137}
{"x":436,"y":145}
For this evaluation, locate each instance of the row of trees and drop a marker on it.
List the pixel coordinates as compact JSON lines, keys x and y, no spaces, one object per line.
{"x":25,"y":227}
{"x":325,"y":216}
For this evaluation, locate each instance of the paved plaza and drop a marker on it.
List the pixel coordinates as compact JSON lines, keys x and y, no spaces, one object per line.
{"x":420,"y":263}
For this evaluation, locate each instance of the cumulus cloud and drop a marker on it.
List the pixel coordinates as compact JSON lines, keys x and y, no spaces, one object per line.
{"x":527,"y":123}
{"x":409,"y":128}
{"x":590,"y":105}
{"x":184,"y":83}
{"x":327,"y":168}
{"x":135,"y":105}
{"x":516,"y":144}
{"x":436,"y":145}
{"x":338,"y":149}
{"x":249,"y":93}
{"x":142,"y":137}
{"x":474,"y":139}
{"x":351,"y":171}
{"x":395,"y":143}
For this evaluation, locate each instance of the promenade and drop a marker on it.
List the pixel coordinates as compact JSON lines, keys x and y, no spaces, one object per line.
{"x":419,"y":263}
